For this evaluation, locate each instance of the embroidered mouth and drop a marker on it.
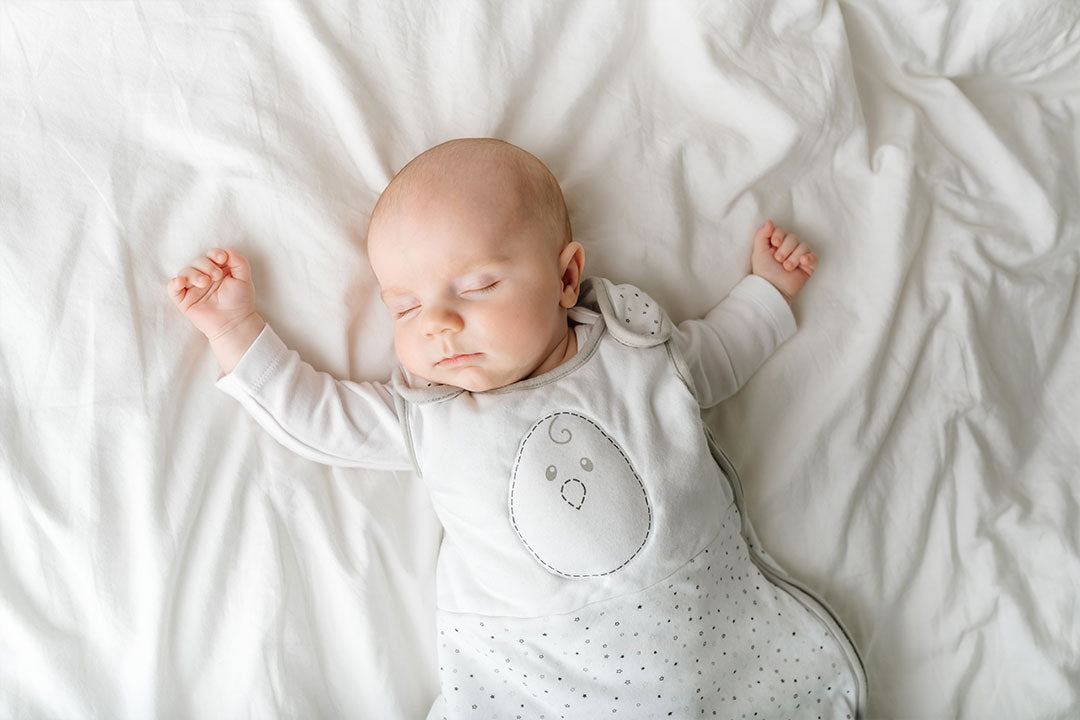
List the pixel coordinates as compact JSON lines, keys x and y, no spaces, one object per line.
{"x":573,"y":491}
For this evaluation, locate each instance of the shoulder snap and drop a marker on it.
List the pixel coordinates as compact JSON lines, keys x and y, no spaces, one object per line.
{"x":632,"y":317}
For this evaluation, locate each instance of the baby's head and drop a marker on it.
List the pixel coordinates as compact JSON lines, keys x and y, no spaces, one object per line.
{"x":472,"y":249}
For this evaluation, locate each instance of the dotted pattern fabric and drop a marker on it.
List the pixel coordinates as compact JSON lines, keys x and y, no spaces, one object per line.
{"x":635,"y":318}
{"x":716,"y":639}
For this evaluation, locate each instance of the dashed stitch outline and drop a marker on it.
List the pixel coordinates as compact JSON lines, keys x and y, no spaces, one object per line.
{"x":584,"y":492}
{"x":513,"y":482}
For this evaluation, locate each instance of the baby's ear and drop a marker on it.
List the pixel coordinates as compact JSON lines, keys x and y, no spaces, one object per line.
{"x":571,"y":264}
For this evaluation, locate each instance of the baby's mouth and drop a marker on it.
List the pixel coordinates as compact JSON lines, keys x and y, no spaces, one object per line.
{"x":458,"y":360}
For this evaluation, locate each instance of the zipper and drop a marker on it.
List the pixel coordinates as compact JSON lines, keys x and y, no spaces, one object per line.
{"x":793,"y":587}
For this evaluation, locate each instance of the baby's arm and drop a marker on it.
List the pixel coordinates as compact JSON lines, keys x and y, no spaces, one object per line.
{"x":330,"y":421}
{"x":335,"y":422}
{"x":725,"y":348}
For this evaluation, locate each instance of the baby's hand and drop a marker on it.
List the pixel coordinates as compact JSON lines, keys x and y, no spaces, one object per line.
{"x":215,"y":292}
{"x":782,"y":259}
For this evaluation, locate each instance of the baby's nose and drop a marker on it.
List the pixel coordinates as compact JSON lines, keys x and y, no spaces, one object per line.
{"x":439,"y":320}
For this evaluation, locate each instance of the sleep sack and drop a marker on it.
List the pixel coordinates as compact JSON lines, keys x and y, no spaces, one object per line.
{"x":596,"y":561}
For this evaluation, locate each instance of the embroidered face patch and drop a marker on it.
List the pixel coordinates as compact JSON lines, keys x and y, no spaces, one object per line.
{"x":575,"y":501}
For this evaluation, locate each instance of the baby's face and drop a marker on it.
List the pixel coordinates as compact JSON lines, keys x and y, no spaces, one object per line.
{"x":474,"y":287}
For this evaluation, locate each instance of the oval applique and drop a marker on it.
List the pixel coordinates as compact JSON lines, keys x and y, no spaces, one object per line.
{"x":576,"y":503}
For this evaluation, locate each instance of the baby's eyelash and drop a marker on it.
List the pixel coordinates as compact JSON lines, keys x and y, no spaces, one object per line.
{"x":403,"y":313}
{"x":487,"y":288}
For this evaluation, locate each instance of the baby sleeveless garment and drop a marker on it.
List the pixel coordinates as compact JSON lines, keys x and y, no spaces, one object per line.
{"x":597,"y":561}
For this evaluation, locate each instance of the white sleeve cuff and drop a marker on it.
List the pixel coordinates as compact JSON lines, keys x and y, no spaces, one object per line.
{"x":257,"y":364}
{"x":765,"y":295}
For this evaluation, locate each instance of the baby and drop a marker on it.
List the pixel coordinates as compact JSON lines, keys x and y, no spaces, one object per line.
{"x":596,"y":560}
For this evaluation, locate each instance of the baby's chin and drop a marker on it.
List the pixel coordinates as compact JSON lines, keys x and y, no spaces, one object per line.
{"x":472,"y":379}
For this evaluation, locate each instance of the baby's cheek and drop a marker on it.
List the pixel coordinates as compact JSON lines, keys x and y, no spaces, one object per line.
{"x":408,"y":354}
{"x":526,"y":342}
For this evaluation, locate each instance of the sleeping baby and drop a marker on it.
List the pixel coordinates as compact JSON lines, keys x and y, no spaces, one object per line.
{"x":596,"y":559}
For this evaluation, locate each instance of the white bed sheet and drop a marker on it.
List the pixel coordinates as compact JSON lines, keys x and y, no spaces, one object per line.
{"x":911,"y":453}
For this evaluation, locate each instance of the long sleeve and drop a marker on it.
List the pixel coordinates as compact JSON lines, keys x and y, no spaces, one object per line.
{"x":725,"y":348}
{"x":334,"y":422}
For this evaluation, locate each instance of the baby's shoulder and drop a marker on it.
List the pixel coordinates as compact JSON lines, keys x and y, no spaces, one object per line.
{"x":632,"y":317}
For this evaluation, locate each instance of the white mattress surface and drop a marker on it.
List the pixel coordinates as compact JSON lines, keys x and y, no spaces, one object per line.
{"x":912,"y":453}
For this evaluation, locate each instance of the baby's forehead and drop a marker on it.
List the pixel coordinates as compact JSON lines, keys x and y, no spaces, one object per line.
{"x":481,"y":186}
{"x":460,"y":254}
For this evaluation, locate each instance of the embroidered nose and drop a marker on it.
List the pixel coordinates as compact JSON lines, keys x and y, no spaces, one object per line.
{"x":573,"y":492}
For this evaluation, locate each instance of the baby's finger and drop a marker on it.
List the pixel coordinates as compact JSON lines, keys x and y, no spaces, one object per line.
{"x":193,"y":277}
{"x":777,"y":237}
{"x":177,"y":289}
{"x":790,"y":243}
{"x":808,"y":263}
{"x":217,"y":255}
{"x":796,"y":255}
{"x":761,"y":237}
{"x":207,"y":267}
{"x":237,"y":265}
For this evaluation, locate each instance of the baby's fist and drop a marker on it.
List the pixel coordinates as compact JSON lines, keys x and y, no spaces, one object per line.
{"x":215,"y":292}
{"x":782,"y":259}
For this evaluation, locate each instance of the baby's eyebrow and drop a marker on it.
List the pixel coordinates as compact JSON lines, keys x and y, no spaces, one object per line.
{"x":393,"y":293}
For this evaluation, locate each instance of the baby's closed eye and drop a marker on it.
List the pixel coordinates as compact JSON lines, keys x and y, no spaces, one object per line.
{"x":481,"y":290}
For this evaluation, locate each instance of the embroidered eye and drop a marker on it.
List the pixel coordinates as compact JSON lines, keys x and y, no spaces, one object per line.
{"x":551,"y":472}
{"x":586,"y":464}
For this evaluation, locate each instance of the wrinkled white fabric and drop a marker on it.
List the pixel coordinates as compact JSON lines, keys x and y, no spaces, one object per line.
{"x":911,"y":452}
